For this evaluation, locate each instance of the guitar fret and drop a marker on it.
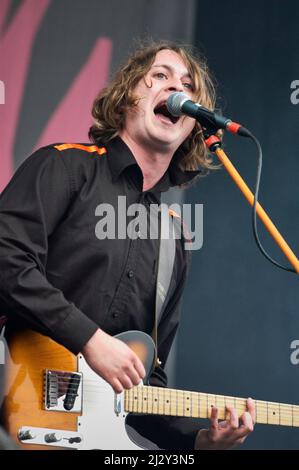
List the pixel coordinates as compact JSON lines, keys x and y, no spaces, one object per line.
{"x":203,"y":406}
{"x":286,"y":415}
{"x":129,"y":395}
{"x":155,"y":400}
{"x":187,"y":404}
{"x":240,"y":406}
{"x":180,"y":403}
{"x":296,"y":415}
{"x":126,"y":400}
{"x":273,"y":413}
{"x":131,"y":399}
{"x":194,"y":407}
{"x":199,"y":404}
{"x":156,"y":394}
{"x":150,"y":400}
{"x":173,"y":403}
{"x":182,"y":399}
{"x":279,"y":413}
{"x":229,"y":402}
{"x":191,"y":404}
{"x":161,"y":402}
{"x":144,"y":400}
{"x":135,"y":400}
{"x":140,"y":400}
{"x":262,"y":415}
{"x":197,"y":407}
{"x":167,"y":404}
{"x":220,"y":403}
{"x":210,"y":404}
{"x":292,"y":410}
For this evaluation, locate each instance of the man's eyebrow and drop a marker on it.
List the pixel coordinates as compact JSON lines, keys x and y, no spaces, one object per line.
{"x":171,"y":69}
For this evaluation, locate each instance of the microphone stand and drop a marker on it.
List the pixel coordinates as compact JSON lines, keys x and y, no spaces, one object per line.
{"x":214,"y":144}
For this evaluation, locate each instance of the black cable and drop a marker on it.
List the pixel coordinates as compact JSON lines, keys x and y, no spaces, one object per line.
{"x":254,"y":220}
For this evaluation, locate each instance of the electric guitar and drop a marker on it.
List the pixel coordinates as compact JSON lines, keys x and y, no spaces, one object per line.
{"x":54,"y":400}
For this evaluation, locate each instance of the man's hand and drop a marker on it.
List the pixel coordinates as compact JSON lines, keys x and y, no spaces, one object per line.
{"x":114,"y":361}
{"x":227,"y":433}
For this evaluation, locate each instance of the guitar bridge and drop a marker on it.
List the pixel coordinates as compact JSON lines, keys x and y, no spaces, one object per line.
{"x":62,"y":391}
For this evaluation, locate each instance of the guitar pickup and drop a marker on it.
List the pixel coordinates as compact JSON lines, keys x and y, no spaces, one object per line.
{"x":72,"y":392}
{"x":62,"y":391}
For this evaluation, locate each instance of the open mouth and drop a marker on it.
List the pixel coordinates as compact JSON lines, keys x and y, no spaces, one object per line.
{"x":164,"y":115}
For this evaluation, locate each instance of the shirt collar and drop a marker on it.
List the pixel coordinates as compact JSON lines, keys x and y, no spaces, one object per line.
{"x":120,"y":158}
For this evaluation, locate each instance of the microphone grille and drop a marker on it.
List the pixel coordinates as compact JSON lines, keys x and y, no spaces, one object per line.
{"x":175,"y":102}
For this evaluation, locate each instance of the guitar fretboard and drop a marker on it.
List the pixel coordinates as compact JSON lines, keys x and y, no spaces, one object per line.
{"x":171,"y":402}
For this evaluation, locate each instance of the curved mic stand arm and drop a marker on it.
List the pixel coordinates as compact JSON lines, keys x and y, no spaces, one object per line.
{"x":214,"y":144}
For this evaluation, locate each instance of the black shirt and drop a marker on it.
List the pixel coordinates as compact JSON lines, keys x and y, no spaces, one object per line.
{"x":58,"y":277}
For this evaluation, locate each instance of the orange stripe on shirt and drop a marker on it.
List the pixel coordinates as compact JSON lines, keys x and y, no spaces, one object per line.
{"x":186,"y":231}
{"x":87,"y":148}
{"x":173,"y":213}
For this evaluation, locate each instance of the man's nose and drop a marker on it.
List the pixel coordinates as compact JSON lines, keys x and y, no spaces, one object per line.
{"x":175,"y":84}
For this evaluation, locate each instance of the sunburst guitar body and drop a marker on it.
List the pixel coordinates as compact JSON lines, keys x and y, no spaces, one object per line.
{"x":54,"y":400}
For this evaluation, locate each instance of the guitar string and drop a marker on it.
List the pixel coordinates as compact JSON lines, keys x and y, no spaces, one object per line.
{"x":134,"y":407}
{"x":259,"y":403}
{"x":200,"y":414}
{"x":262,"y":407}
{"x":200,"y":403}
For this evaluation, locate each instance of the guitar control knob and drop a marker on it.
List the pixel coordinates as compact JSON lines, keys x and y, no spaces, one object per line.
{"x":26,"y":435}
{"x":52,"y":437}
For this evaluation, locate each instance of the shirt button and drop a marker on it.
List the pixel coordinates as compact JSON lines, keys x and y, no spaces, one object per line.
{"x":115,"y":315}
{"x":130,"y":274}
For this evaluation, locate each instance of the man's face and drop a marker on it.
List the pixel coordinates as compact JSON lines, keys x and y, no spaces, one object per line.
{"x":149,"y":123}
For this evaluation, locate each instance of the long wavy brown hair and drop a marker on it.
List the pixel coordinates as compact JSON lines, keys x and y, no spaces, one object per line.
{"x":111,"y":104}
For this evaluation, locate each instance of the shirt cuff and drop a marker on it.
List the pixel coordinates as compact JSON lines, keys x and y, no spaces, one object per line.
{"x":75,"y":331}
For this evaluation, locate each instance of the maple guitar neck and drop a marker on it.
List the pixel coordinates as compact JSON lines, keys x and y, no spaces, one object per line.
{"x":171,"y":402}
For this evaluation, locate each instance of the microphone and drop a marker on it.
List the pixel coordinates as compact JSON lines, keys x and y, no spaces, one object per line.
{"x":179,"y":103}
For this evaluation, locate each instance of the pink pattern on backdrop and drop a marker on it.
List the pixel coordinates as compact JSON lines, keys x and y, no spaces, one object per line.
{"x":71,"y":119}
{"x":15,"y":52}
{"x":3,"y":12}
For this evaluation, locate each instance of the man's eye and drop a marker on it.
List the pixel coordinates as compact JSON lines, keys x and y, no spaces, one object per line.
{"x":189,"y":86}
{"x":160,"y":75}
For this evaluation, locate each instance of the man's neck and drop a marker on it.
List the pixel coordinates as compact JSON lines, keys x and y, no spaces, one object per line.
{"x":153,"y":163}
